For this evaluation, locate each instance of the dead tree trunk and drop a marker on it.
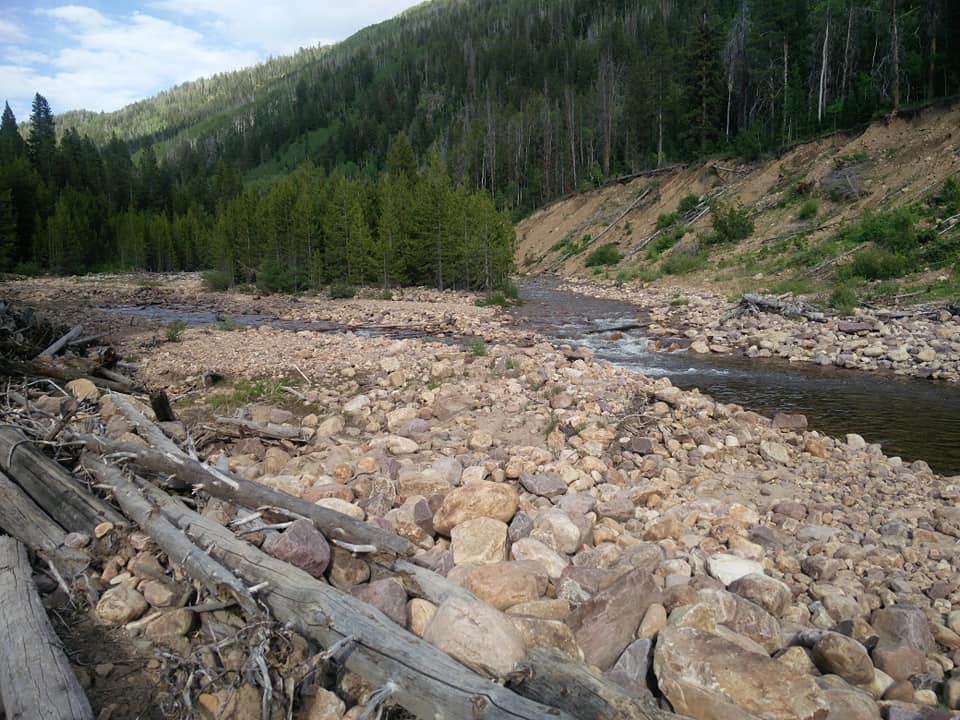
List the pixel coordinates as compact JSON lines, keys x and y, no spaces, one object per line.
{"x":62,"y":342}
{"x":36,"y":681}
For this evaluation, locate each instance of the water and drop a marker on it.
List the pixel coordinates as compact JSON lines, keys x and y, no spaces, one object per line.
{"x":916,"y":419}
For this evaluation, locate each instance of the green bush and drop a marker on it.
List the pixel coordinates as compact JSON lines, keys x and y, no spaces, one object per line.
{"x":731,"y":223}
{"x":509,"y":289}
{"x":843,"y":298}
{"x":30,"y":268}
{"x":895,"y":231}
{"x":875,"y":264}
{"x":679,"y":262}
{"x":604,"y":255}
{"x":273,"y":277}
{"x":666,"y":220}
{"x":493,"y":299}
{"x":174,"y":331}
{"x":665,"y":241}
{"x":341,"y":291}
{"x":217,"y":280}
{"x":688,"y":203}
{"x":387,"y":294}
{"x":808,"y":210}
{"x":949,"y":196}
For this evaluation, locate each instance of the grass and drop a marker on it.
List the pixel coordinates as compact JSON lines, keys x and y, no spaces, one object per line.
{"x":174,"y":331}
{"x":477,"y":347}
{"x":217,"y":280}
{"x":808,"y":210}
{"x":229,"y":325}
{"x":245,"y":392}
{"x":796,"y":286}
{"x":843,"y":299}
{"x":495,"y":299}
{"x":341,"y":291}
{"x":682,"y":263}
{"x":552,"y":424}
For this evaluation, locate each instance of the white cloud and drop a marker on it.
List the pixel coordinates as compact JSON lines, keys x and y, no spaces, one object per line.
{"x":108,"y":62}
{"x":11,"y":31}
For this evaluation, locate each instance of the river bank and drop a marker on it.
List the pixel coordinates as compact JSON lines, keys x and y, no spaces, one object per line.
{"x":708,"y":556}
{"x":918,"y":345}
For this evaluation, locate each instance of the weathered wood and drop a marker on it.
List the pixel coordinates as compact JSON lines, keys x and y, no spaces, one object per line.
{"x":227,"y":486}
{"x":552,"y":678}
{"x":181,"y":552}
{"x":51,"y":486}
{"x":161,"y":406}
{"x":147,"y":429}
{"x":36,"y":681}
{"x":272,"y":431}
{"x":424,"y":583}
{"x":753,"y":303}
{"x":63,"y":341}
{"x":425,"y":681}
{"x":75,"y":369}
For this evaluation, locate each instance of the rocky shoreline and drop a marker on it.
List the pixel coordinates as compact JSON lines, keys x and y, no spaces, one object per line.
{"x":919,"y":345}
{"x":726,"y":564}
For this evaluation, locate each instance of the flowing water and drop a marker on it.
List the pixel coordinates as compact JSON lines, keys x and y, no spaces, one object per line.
{"x":916,"y":419}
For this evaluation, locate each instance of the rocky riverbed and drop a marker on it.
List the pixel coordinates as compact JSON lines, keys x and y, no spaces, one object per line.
{"x":920,"y":345}
{"x":727,"y":564}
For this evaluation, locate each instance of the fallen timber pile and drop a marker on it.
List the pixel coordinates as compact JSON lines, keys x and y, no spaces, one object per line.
{"x":103,"y":519}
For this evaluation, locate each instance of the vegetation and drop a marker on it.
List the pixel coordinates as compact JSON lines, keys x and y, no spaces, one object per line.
{"x":341,"y":291}
{"x":808,"y":210}
{"x":477,"y":347}
{"x":843,"y":298}
{"x":217,"y":280}
{"x":174,"y":331}
{"x":604,"y":255}
{"x":681,"y":261}
{"x":731,"y":223}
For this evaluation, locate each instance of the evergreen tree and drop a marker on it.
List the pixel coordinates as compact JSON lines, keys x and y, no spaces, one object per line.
{"x":12,"y":145}
{"x":42,"y":143}
{"x":8,"y":231}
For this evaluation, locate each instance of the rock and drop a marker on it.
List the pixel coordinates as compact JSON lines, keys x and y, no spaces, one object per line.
{"x":632,"y":668}
{"x":346,"y":569}
{"x":547,"y":485}
{"x":120,"y":605}
{"x":158,"y":593}
{"x":620,"y":507}
{"x":323,"y":705}
{"x":532,"y":549}
{"x":767,"y":592}
{"x":478,"y":499}
{"x":477,"y":635}
{"x":543,"y":633}
{"x":562,"y":531}
{"x":387,"y":596}
{"x":419,"y":614}
{"x":901,"y":662}
{"x":504,"y":584}
{"x":606,"y":623}
{"x":654,"y":620}
{"x":840,"y":655}
{"x":707,"y":677}
{"x":481,"y":540}
{"x":715,"y":607}
{"x":341,"y":506}
{"x":729,"y":568}
{"x":302,"y":545}
{"x":398,"y":445}
{"x":241,"y":703}
{"x":480,"y":440}
{"x":775,"y":452}
{"x":170,"y":624}
{"x":783,"y":421}
{"x":850,"y":704}
{"x":820,"y":567}
{"x":83,"y":389}
{"x":902,"y":624}
{"x":355,"y":405}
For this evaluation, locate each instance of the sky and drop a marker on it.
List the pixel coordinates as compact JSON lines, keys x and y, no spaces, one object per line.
{"x":102,"y":55}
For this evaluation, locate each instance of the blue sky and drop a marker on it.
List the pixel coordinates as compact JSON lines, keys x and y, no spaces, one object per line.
{"x":104,"y":55}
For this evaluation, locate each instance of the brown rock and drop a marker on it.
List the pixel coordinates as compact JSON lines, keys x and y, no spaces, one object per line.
{"x":476,"y":500}
{"x":387,"y":596}
{"x":302,"y":545}
{"x":504,"y":584}
{"x":840,"y":655}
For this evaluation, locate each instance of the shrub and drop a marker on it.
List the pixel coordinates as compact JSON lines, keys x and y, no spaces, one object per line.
{"x":894,"y":231}
{"x":876,"y":265}
{"x":174,"y":330}
{"x":843,"y":298}
{"x":688,"y":203}
{"x":666,"y":220}
{"x":679,"y":262}
{"x":387,"y":294}
{"x":808,"y":210}
{"x":341,"y":291}
{"x":604,"y":255}
{"x":509,"y":289}
{"x":274,"y":277}
{"x":477,"y":347}
{"x":217,"y":280}
{"x":665,"y":241}
{"x":229,"y":324}
{"x":731,"y":223}
{"x":496,"y":298}
{"x":949,"y":195}
{"x":29,"y":267}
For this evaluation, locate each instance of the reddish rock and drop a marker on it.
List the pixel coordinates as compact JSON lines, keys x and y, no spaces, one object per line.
{"x":302,"y":545}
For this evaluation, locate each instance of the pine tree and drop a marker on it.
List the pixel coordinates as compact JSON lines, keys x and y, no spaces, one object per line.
{"x":8,"y":231}
{"x":42,"y":144}
{"x":12,"y":145}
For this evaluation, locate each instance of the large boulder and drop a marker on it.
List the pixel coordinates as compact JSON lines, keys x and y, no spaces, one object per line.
{"x":729,"y":568}
{"x":477,"y":635}
{"x":772,"y":595}
{"x":476,"y":500}
{"x":482,"y":540}
{"x":707,"y":677}
{"x":838,"y":654}
{"x":505,"y":584}
{"x":606,"y":623}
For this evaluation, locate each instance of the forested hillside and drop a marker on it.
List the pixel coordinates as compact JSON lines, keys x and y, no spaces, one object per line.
{"x":520,"y":100}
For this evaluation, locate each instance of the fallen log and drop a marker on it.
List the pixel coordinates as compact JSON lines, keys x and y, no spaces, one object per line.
{"x":147,"y":429}
{"x":64,"y":340}
{"x":272,"y":431}
{"x":36,"y":681}
{"x":425,"y":583}
{"x":552,"y":678}
{"x":51,"y":486}
{"x":23,"y":519}
{"x":230,"y":487}
{"x":415,"y":675}
{"x":200,"y":566}
{"x":759,"y":303}
{"x":75,"y":369}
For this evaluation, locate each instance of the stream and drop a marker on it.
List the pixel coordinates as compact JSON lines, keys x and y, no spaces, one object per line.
{"x":915,"y":419}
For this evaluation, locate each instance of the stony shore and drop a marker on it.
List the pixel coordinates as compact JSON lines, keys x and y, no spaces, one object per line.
{"x":921,"y":346}
{"x":728,"y":564}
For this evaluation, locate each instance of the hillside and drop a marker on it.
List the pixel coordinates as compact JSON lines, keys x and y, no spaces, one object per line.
{"x":805,"y":205}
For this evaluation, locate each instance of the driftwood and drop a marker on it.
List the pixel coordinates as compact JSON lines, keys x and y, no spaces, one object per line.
{"x":271,"y":431}
{"x":551,"y":677}
{"x":427,"y":584}
{"x":145,"y":427}
{"x":63,"y":341}
{"x":246,"y":493}
{"x":416,"y":675}
{"x":65,"y":370}
{"x":51,"y":487}
{"x":36,"y":680}
{"x":23,"y":519}
{"x":781,"y":306}
{"x":200,"y":566}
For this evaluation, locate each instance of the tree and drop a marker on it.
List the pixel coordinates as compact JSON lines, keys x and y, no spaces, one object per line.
{"x":42,"y":143}
{"x":12,"y":145}
{"x":8,"y":230}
